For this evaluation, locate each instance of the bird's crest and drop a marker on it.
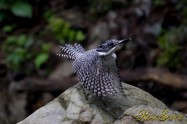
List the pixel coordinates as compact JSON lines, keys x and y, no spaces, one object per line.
{"x":71,"y":51}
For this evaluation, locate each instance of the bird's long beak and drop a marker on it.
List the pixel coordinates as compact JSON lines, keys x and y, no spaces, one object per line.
{"x":116,"y":47}
{"x":122,"y":42}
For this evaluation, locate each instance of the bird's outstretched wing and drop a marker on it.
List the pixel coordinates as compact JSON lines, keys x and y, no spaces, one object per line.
{"x":96,"y":77}
{"x":71,"y":51}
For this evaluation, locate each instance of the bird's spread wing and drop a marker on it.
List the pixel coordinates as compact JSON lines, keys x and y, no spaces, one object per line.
{"x":100,"y":79}
{"x":71,"y":51}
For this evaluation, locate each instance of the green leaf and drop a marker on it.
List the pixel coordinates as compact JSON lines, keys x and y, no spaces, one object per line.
{"x":46,"y":47}
{"x":22,"y":9}
{"x":11,"y":39}
{"x":21,"y":40}
{"x":20,"y":52}
{"x":56,"y":24}
{"x":65,"y":30}
{"x":71,"y":35}
{"x":40,"y":59}
{"x":80,"y":36}
{"x":8,"y":28}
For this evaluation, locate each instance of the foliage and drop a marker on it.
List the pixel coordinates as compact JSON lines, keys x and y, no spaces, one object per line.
{"x":159,"y":2}
{"x":40,"y":59}
{"x":63,"y":32}
{"x":9,"y":28}
{"x":20,"y":8}
{"x":19,"y":52}
{"x":102,"y":6}
{"x":169,"y":41}
{"x":169,"y":44}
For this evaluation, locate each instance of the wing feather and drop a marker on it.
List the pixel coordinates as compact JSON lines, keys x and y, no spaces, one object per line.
{"x":101,"y":79}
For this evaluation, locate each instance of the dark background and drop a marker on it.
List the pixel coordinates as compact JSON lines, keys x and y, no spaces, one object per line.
{"x":31,"y":74}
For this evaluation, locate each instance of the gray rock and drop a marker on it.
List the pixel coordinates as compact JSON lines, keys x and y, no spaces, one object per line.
{"x":76,"y":106}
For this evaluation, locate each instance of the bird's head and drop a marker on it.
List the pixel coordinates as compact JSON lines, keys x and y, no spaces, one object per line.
{"x":110,"y":46}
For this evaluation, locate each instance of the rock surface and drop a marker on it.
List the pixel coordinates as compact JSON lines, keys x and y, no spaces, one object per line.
{"x":76,"y":106}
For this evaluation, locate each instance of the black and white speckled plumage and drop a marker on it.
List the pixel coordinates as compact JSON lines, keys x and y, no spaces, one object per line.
{"x":96,"y":72}
{"x":95,"y":75}
{"x":71,"y":51}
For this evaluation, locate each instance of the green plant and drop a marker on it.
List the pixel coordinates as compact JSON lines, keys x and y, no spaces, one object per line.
{"x":20,"y":8}
{"x":9,"y":28}
{"x":63,"y":32}
{"x":20,"y":51}
{"x":169,"y":44}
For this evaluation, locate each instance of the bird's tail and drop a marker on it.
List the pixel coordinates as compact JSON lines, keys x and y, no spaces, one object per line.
{"x":71,"y":51}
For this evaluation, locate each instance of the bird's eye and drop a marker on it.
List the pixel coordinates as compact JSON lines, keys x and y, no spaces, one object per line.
{"x":111,"y":44}
{"x":101,"y":46}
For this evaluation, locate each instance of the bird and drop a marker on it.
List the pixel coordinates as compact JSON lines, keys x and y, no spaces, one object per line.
{"x":96,"y":69}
